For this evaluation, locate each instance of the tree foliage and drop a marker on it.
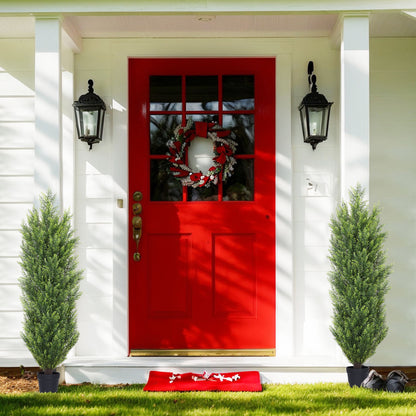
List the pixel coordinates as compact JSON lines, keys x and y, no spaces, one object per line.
{"x":358,"y":277}
{"x":50,"y":284}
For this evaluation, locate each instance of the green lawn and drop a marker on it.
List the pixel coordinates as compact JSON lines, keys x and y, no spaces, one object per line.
{"x":311,"y":399}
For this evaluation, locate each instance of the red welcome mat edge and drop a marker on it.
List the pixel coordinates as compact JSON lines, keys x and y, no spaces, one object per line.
{"x":164,"y":381}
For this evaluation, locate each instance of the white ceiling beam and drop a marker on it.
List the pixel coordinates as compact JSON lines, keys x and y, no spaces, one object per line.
{"x":89,"y":7}
{"x":410,"y":13}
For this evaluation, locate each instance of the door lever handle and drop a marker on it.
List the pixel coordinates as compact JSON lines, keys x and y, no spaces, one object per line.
{"x":137,"y":229}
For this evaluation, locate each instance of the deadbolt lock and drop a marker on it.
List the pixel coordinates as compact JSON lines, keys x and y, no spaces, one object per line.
{"x":137,"y":196}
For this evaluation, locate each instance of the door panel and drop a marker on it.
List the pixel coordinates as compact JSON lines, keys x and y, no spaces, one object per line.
{"x":169,"y":297}
{"x":234,"y":267}
{"x":206,"y":276}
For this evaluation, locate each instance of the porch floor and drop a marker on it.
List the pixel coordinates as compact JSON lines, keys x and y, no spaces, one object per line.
{"x":136,"y":369}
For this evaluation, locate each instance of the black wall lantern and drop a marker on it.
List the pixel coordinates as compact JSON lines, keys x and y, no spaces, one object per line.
{"x":89,"y":116}
{"x":314,"y":113}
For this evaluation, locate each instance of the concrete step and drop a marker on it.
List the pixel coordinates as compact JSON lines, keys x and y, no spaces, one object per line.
{"x":133,"y":370}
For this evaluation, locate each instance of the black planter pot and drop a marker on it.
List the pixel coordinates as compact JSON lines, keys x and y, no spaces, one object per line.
{"x":48,"y":383}
{"x":357,"y":375}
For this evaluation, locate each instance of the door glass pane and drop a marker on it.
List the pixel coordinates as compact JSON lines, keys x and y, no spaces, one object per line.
{"x":163,"y":185}
{"x":242,"y":128}
{"x":161,"y":130}
{"x":202,"y":93}
{"x":238,"y":92}
{"x":203,"y":194}
{"x":240,"y":186}
{"x":165,"y":93}
{"x":203,"y":117}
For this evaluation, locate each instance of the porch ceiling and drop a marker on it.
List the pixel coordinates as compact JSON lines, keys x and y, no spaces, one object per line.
{"x":382,"y":24}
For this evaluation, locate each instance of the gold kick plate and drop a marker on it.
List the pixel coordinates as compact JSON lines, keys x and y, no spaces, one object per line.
{"x":205,"y":353}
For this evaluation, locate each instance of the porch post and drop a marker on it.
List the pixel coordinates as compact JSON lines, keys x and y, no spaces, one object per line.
{"x":355,"y":103}
{"x":48,"y":107}
{"x":71,"y":44}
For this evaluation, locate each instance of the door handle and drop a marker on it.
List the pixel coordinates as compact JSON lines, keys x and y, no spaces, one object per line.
{"x":137,"y":223}
{"x":137,"y":229}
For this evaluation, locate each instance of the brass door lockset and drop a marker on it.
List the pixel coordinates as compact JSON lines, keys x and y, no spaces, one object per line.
{"x":137,"y":223}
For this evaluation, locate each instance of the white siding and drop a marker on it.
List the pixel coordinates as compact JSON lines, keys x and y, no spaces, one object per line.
{"x":313,"y":205}
{"x":9,"y":271}
{"x":94,"y":207}
{"x":16,"y":180}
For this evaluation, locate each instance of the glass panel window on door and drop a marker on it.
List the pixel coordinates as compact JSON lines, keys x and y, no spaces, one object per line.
{"x":229,"y":101}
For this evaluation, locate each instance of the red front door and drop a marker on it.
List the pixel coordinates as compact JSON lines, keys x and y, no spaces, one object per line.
{"x":205,"y":280}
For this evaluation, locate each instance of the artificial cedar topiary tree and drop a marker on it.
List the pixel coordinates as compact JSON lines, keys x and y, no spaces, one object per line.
{"x":358,"y":277}
{"x":50,"y":284}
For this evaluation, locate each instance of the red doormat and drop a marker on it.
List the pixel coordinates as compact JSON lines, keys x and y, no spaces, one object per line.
{"x":241,"y":381}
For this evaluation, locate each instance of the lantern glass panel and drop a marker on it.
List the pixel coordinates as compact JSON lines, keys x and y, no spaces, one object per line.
{"x":77,"y":121}
{"x":304,"y":120}
{"x":317,"y":125}
{"x":325,"y":120}
{"x":100,"y":124}
{"x":89,"y":122}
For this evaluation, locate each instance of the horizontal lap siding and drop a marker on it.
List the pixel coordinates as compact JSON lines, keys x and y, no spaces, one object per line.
{"x":94,"y":208}
{"x":313,"y":206}
{"x":16,"y":180}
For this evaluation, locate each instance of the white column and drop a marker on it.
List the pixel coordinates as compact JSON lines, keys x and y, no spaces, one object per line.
{"x":285,"y":296}
{"x":355,"y":103}
{"x":48,"y":106}
{"x":68,"y":139}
